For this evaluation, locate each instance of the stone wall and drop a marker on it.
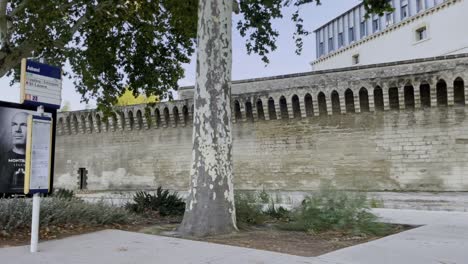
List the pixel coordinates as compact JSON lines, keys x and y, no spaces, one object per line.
{"x":398,"y":126}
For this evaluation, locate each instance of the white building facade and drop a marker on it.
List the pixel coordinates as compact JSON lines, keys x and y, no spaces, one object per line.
{"x":416,"y":29}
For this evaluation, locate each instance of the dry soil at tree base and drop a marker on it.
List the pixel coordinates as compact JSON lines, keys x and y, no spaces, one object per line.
{"x":264,"y":238}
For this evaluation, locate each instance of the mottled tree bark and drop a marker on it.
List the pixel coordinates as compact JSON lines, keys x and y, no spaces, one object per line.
{"x":210,"y":203}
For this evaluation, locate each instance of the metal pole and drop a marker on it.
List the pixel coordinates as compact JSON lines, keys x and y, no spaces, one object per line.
{"x":35,"y":222}
{"x":36,"y":209}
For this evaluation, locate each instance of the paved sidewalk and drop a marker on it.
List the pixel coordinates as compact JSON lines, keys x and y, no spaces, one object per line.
{"x":443,"y":240}
{"x":120,"y":247}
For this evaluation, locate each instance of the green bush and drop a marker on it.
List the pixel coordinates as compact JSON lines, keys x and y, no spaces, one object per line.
{"x":164,"y":202}
{"x":248,"y":210}
{"x":16,"y":213}
{"x":279,"y":213}
{"x":63,"y":194}
{"x":330,"y":209}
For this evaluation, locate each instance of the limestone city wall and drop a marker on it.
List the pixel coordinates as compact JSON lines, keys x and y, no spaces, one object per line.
{"x":393,"y":126}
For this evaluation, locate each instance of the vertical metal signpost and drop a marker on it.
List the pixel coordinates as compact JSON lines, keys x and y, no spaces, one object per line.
{"x":41,"y":85}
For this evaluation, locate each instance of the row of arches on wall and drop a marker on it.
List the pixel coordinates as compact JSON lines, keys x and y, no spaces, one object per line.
{"x":363,"y":100}
{"x":90,"y":122}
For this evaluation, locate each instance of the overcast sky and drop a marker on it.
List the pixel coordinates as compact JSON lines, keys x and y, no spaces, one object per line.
{"x":282,"y":61}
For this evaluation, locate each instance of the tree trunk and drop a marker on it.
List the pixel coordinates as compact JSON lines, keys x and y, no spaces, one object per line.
{"x":210,"y":203}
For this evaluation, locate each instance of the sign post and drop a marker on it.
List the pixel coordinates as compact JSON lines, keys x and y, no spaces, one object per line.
{"x":41,"y":85}
{"x":38,"y":164}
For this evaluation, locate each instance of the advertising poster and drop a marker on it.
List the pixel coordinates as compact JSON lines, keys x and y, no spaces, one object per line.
{"x":13,"y":137}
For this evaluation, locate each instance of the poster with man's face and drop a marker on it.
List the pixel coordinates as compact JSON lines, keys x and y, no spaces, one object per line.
{"x":13,"y":137}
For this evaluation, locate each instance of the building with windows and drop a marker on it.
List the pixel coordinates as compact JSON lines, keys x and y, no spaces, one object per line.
{"x":415,"y":29}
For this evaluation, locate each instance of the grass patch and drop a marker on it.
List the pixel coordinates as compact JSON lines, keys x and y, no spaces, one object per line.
{"x":16,"y":213}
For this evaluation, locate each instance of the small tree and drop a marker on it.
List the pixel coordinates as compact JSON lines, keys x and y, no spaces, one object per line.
{"x":128,"y":98}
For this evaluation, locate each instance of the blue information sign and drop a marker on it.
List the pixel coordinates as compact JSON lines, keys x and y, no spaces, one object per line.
{"x":41,"y":84}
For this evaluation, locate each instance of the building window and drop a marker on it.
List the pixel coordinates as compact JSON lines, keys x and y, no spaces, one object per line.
{"x":419,"y":5}
{"x":363,"y":29}
{"x":421,"y":33}
{"x":355,"y":59}
{"x":351,"y":34}
{"x":321,"y":49}
{"x":389,"y":19}
{"x":404,"y":11}
{"x":330,"y":44}
{"x":340,"y":39}
{"x":375,"y":25}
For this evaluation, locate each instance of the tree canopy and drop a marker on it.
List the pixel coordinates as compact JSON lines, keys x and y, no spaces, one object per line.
{"x":114,"y":44}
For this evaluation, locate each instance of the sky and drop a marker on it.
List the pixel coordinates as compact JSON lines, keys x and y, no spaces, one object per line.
{"x":282,"y":61}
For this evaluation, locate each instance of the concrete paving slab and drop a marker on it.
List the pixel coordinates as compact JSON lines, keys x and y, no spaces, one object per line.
{"x":120,"y":247}
{"x":442,"y":240}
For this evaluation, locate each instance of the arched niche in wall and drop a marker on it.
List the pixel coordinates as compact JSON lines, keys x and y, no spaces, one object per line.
{"x":68,"y":121}
{"x":349,"y":101}
{"x":296,"y":106}
{"x":393,"y":98}
{"x":98,"y":123}
{"x":166,"y":117}
{"x":237,"y":111}
{"x":139,"y":119}
{"x":322,"y":104}
{"x":175,"y":115}
{"x":260,"y":112}
{"x":83,"y":124}
{"x":459,"y":91}
{"x":75,"y":124}
{"x":271,"y":108}
{"x":249,"y":111}
{"x":441,"y":92}
{"x":131,"y":121}
{"x":425,"y":94}
{"x":378,"y":99}
{"x":90,"y":123}
{"x":335,"y":100}
{"x":408,"y":91}
{"x":283,"y":108}
{"x":122,"y":120}
{"x":185,"y":113}
{"x":364,"y":100}
{"x":115,"y":122}
{"x":309,"y":107}
{"x":157,"y":116}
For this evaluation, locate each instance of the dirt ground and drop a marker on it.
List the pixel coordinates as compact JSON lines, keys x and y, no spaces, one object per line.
{"x":289,"y":242}
{"x":22,"y":237}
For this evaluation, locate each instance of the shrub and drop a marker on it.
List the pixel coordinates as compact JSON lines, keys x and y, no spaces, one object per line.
{"x":63,"y":194}
{"x":330,"y":209}
{"x":164,"y":202}
{"x":248,"y":210}
{"x":279,"y":213}
{"x":16,"y":213}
